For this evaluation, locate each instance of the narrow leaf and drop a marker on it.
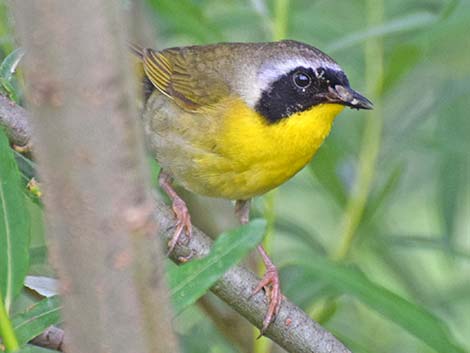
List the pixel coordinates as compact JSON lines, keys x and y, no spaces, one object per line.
{"x":10,"y":63}
{"x":37,"y":319}
{"x":7,"y":334}
{"x":399,"y":25}
{"x":190,"y":281}
{"x":14,"y":226}
{"x":378,"y":198}
{"x":324,"y":168}
{"x":7,"y":69}
{"x":411,"y":317}
{"x":29,"y":348}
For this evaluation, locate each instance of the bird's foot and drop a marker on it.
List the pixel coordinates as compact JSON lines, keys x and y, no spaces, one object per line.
{"x":271,"y":285}
{"x":183,"y":219}
{"x":183,"y":224}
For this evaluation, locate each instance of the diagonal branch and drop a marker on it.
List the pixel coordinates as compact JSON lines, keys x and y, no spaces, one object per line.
{"x":12,"y":117}
{"x":293,"y":329}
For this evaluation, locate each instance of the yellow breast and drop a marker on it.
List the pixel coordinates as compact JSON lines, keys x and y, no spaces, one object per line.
{"x":253,"y":156}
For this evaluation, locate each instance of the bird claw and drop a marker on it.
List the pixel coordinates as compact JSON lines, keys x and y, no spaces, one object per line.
{"x":271,"y":285}
{"x":183,"y":225}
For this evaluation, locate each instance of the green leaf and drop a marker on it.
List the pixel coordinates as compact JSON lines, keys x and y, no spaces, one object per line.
{"x":402,"y":59}
{"x":14,"y":226}
{"x":7,"y":69}
{"x":420,"y":243}
{"x":378,"y":198}
{"x":190,"y":281}
{"x":7,"y":333}
{"x":451,"y":186}
{"x":10,"y":63}
{"x":307,"y":237}
{"x":37,"y":319}
{"x":34,"y":349}
{"x":38,"y":255}
{"x":410,"y":22}
{"x":324,"y":168}
{"x":27,"y":167}
{"x":411,"y":317}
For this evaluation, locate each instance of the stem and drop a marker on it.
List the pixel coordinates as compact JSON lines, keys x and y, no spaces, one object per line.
{"x":6,"y":329}
{"x":281,"y":15}
{"x":372,"y":135}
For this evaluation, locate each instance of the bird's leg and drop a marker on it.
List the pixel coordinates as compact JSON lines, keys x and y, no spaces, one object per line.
{"x":270,"y":281}
{"x":183,"y":219}
{"x":242,"y":210}
{"x":271,"y":285}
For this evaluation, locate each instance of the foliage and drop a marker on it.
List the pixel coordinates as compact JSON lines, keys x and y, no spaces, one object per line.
{"x":36,"y":319}
{"x":14,"y":226}
{"x":187,"y":282}
{"x":190,"y":281}
{"x":402,"y":271}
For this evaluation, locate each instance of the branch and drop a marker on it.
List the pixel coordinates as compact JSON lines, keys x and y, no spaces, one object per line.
{"x":52,"y":338}
{"x":12,"y":117}
{"x":293,"y":329}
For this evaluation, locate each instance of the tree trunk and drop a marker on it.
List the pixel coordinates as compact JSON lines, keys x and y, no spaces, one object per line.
{"x":90,"y":155}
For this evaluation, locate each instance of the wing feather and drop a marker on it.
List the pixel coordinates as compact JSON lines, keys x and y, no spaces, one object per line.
{"x":178,"y":76}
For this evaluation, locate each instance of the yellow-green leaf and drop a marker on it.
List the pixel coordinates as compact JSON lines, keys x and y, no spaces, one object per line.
{"x":14,"y":226}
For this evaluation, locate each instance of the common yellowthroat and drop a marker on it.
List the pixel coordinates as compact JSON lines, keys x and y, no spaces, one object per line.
{"x":235,"y":120}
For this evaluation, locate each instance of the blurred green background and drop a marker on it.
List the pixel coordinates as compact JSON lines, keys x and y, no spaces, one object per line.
{"x":373,"y":237}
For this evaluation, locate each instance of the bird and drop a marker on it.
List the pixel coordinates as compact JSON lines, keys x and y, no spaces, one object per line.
{"x":236,"y":120}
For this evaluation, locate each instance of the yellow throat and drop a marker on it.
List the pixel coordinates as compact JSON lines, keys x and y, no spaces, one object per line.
{"x":260,"y":155}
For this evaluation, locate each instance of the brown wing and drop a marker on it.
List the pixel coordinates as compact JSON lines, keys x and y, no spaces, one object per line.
{"x":184,"y":76}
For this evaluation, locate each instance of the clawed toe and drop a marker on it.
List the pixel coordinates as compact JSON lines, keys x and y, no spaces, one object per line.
{"x":270,"y":283}
{"x":183,"y":219}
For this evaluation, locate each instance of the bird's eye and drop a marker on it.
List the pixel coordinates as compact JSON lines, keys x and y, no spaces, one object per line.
{"x":302,"y":80}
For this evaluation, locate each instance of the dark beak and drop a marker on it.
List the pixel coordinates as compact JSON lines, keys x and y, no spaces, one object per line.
{"x":348,"y":96}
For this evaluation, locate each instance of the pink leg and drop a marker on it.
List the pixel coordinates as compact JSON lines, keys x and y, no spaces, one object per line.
{"x":270,"y":281}
{"x":179,"y":207}
{"x":271,"y":285}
